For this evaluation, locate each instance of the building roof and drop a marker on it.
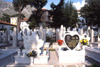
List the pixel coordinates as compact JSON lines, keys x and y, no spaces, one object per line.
{"x":42,"y":9}
{"x":6,"y":23}
{"x":24,"y":19}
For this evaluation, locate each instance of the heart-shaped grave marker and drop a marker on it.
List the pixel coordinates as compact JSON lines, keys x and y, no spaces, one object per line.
{"x":71,"y":41}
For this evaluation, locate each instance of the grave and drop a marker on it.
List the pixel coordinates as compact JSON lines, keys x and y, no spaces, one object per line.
{"x":71,"y":55}
{"x":94,"y":53}
{"x":32,"y":42}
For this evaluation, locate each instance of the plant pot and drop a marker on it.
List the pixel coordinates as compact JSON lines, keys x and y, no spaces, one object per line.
{"x":31,"y":61}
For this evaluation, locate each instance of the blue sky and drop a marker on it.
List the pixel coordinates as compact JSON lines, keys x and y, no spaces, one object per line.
{"x":79,"y":2}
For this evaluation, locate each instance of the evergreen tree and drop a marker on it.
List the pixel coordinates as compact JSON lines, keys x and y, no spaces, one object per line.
{"x":91,"y":12}
{"x":64,"y":14}
{"x":57,"y":13}
{"x":70,"y":15}
{"x":19,"y":5}
{"x":5,"y":17}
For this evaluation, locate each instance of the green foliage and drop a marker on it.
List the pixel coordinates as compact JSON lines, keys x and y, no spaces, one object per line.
{"x":32,"y":23}
{"x":57,"y":13}
{"x":19,"y":4}
{"x":16,"y":15}
{"x":38,"y":4}
{"x":91,"y":12}
{"x":12,"y":28}
{"x":64,"y":14}
{"x":70,"y":15}
{"x":5,"y":17}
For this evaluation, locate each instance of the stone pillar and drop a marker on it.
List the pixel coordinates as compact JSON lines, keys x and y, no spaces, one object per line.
{"x":8,"y":29}
{"x":41,"y":33}
{"x":14,"y":37}
{"x":82,"y":31}
{"x":92,"y":35}
{"x":44,"y":35}
{"x":6,"y":36}
{"x":57,"y":34}
{"x":0,"y":36}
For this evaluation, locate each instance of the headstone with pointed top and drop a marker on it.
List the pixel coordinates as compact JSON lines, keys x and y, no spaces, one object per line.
{"x":14,"y":37}
{"x":68,"y":29}
{"x":6,"y":36}
{"x":0,"y":36}
{"x":92,"y":35}
{"x":25,"y":32}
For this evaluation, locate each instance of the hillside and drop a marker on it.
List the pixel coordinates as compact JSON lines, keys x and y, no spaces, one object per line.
{"x":7,"y":7}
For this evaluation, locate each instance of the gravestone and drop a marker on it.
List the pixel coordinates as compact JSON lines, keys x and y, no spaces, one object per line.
{"x":92,"y":35}
{"x":14,"y":37}
{"x":41,"y":32}
{"x":25,"y":32}
{"x":0,"y":36}
{"x":81,"y":31}
{"x":71,"y":41}
{"x":6,"y":36}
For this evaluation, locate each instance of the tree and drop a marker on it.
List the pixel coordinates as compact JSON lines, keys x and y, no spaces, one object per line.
{"x":19,"y":5}
{"x":64,"y":14}
{"x":91,"y":12}
{"x":57,"y":13}
{"x":70,"y":15}
{"x":5,"y":17}
{"x":38,"y":4}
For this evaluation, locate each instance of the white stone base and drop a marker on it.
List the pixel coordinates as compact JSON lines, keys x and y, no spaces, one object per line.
{"x":93,"y":53}
{"x":41,"y":60}
{"x":71,"y":56}
{"x":22,"y":60}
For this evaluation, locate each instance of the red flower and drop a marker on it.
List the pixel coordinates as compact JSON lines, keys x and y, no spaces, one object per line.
{"x":60,"y":42}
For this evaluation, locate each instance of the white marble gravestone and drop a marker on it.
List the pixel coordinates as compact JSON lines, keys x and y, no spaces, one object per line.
{"x":71,"y":42}
{"x":6,"y":36}
{"x":85,"y":36}
{"x":14,"y":37}
{"x":19,"y":36}
{"x":32,"y":42}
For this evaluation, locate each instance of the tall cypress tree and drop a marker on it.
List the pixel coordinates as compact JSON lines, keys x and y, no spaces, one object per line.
{"x":57,"y":13}
{"x":70,"y":15}
{"x":91,"y":12}
{"x":64,"y":14}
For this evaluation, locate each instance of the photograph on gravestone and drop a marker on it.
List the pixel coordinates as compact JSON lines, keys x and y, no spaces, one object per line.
{"x":71,"y":41}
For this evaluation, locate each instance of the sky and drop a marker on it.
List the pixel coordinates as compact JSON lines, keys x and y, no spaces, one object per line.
{"x":77,"y":3}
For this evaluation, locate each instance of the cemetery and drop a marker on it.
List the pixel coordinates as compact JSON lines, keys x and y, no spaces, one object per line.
{"x":50,"y":38}
{"x":69,"y":48}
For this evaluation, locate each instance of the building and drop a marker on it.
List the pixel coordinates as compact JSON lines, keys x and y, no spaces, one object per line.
{"x":45,"y":18}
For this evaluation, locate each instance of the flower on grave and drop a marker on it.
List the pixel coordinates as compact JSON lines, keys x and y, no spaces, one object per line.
{"x":84,"y":41}
{"x":60,"y":42}
{"x":32,"y":54}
